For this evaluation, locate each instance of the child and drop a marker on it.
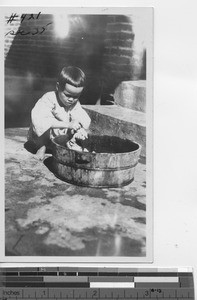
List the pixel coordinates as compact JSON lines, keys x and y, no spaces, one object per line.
{"x":59,"y":112}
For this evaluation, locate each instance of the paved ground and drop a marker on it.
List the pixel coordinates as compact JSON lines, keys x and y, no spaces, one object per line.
{"x":48,"y":217}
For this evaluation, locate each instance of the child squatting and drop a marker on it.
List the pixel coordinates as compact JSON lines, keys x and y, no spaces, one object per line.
{"x":59,"y":112}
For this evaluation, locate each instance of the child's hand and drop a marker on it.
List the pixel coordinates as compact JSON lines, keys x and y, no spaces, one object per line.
{"x":81,"y":134}
{"x":74,"y":126}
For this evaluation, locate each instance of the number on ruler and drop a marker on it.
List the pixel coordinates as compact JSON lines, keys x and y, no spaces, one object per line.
{"x":41,"y":293}
{"x":94,"y":293}
{"x":147,"y":293}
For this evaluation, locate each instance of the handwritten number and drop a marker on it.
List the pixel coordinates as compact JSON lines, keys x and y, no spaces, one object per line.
{"x":44,"y":28}
{"x":31,"y":17}
{"x":23,"y":16}
{"x":14,"y":17}
{"x":38,"y":15}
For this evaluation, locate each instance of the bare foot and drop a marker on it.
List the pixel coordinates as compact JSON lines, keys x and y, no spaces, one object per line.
{"x":40,"y":154}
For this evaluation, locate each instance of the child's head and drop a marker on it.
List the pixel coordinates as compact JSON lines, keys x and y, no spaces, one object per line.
{"x":70,"y":84}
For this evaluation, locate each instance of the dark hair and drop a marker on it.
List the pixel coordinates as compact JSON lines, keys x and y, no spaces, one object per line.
{"x":71,"y":75}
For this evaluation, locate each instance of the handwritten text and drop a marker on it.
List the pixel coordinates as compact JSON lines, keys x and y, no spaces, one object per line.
{"x":22,"y":31}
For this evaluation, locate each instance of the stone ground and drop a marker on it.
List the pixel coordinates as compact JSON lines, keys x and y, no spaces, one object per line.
{"x":45,"y":216}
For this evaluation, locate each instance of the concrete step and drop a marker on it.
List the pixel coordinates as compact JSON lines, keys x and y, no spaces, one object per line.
{"x":131,"y":94}
{"x":118,"y":121}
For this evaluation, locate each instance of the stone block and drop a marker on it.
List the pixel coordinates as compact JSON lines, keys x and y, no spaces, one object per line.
{"x":112,"y":27}
{"x":122,"y":68}
{"x":122,"y":18}
{"x":119,"y":43}
{"x":126,"y":35}
{"x":118,"y":121}
{"x":122,"y":75}
{"x":119,"y":51}
{"x":131,"y":94}
{"x":116,"y":59}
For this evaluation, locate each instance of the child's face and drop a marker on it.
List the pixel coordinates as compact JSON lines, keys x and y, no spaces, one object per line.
{"x":69,"y":95}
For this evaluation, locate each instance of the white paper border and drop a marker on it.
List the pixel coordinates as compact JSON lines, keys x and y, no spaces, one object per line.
{"x":149,"y":139}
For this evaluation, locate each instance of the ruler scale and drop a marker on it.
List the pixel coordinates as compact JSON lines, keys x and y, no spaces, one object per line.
{"x":68,"y":283}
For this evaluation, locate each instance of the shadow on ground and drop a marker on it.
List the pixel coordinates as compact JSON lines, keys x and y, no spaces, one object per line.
{"x":45,"y":216}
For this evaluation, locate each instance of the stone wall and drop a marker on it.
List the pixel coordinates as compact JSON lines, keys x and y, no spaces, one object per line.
{"x":118,"y":50}
{"x":121,"y":60}
{"x":131,"y":94}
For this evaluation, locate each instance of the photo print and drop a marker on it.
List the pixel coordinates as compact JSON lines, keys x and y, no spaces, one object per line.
{"x":78,"y":134}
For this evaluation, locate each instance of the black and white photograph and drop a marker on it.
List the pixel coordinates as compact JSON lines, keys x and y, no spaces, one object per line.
{"x":78,"y":133}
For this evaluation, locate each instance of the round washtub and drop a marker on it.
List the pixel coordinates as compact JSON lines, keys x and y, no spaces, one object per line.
{"x":110,"y":161}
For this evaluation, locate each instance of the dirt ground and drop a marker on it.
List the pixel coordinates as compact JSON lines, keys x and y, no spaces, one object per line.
{"x":45,"y":216}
